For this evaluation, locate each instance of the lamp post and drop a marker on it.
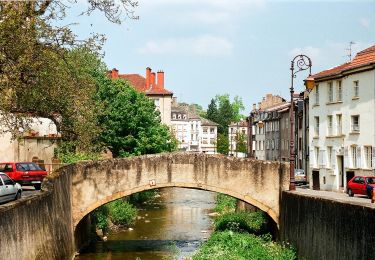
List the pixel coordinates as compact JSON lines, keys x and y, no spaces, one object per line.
{"x":302,"y":62}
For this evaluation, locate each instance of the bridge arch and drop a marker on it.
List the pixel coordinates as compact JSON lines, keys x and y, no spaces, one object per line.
{"x":258,"y":183}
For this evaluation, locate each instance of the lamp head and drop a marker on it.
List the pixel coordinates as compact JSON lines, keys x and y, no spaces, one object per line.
{"x":309,"y":84}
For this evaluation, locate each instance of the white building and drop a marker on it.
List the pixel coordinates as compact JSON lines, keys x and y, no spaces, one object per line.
{"x":342,"y":123}
{"x":209,"y":136}
{"x":194,"y":134}
{"x":235,"y":131}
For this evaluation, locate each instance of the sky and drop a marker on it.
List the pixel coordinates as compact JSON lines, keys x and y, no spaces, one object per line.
{"x":240,"y":47}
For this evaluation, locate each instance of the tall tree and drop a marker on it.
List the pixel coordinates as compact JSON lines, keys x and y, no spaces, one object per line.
{"x":212,"y":111}
{"x":131,"y":124}
{"x":41,"y":73}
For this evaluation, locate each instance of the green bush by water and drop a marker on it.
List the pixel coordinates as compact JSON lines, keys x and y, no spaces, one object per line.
{"x":242,"y":246}
{"x":251,"y":222}
{"x":225,"y":203}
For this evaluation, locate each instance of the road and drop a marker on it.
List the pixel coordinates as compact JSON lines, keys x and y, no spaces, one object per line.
{"x":28,"y":191}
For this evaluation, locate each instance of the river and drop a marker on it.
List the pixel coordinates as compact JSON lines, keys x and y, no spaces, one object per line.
{"x":176,"y":222}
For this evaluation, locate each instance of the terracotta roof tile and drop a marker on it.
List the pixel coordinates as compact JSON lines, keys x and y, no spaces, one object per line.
{"x":363,"y":58}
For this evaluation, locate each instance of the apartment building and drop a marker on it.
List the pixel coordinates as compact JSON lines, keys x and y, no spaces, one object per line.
{"x":238,"y":133}
{"x":342,"y":128}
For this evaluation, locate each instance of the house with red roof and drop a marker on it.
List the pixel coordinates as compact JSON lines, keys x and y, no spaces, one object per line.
{"x":153,"y":87}
{"x":342,"y":123}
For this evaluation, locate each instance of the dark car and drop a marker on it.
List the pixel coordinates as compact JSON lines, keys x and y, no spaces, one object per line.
{"x":25,"y":173}
{"x":362,"y":185}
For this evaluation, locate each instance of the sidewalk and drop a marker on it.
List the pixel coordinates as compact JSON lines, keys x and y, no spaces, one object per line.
{"x":361,"y":200}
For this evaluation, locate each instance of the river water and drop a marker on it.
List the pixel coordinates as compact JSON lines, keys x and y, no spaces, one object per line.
{"x":176,"y":223}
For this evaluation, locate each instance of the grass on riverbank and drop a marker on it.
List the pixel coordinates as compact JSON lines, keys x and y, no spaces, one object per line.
{"x":225,"y":203}
{"x":253,"y":222}
{"x":242,"y":246}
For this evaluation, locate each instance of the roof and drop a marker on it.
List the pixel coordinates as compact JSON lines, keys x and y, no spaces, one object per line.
{"x":242,"y":123}
{"x":362,"y":59}
{"x":205,"y":121}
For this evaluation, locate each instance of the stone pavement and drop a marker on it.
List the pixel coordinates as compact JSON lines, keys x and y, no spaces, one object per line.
{"x":361,"y":200}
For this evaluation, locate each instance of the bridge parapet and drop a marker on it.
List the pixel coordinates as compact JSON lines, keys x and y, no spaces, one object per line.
{"x":259,"y":183}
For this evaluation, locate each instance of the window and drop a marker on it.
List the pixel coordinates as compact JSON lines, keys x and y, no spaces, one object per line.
{"x":356,"y":88}
{"x":330,"y":92}
{"x":317,"y":94}
{"x":157,"y":102}
{"x":1,"y":182}
{"x":212,"y":141}
{"x":179,"y":116}
{"x":205,"y":130}
{"x":6,"y":167}
{"x":339,"y":124}
{"x":355,"y":123}
{"x":368,"y":157}
{"x":7,"y":180}
{"x":329,"y":125}
{"x":316,"y":126}
{"x":339,"y":90}
{"x":174,"y":116}
{"x":212,"y":130}
{"x":184,"y":117}
{"x":329,"y":156}
{"x":354,"y":156}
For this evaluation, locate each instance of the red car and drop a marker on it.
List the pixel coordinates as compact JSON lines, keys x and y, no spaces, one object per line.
{"x":25,"y":173}
{"x":362,"y":185}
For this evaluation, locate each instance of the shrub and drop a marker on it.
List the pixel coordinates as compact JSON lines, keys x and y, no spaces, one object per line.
{"x":122,"y":212}
{"x":239,"y":246}
{"x":100,"y":217}
{"x":225,"y":203}
{"x":140,"y":197}
{"x":251,"y":222}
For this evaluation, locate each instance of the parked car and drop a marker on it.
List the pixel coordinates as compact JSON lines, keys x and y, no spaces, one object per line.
{"x":299,"y":177}
{"x":362,"y":185}
{"x":9,"y":189}
{"x":25,"y":173}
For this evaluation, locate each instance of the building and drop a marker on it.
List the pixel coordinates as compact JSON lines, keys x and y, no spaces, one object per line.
{"x":153,"y":87}
{"x":37,"y":144}
{"x":262,"y":123}
{"x":194,"y":133}
{"x":209,"y":136}
{"x":238,"y":132}
{"x":341,"y":116}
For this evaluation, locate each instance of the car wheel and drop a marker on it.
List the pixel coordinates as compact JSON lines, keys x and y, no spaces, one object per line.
{"x":37,"y":186}
{"x":18,"y":196}
{"x":350,"y":193}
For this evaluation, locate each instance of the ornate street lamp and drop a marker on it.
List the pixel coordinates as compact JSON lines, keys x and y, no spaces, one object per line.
{"x":302,"y":62}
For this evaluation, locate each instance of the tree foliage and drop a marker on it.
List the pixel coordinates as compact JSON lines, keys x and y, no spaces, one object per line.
{"x":241,"y":144}
{"x":43,"y":70}
{"x":129,"y":121}
{"x":222,"y":143}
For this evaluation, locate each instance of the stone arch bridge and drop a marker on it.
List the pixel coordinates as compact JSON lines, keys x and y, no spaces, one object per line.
{"x":258,"y":183}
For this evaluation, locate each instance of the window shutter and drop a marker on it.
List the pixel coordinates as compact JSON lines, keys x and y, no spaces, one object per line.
{"x":359,"y":157}
{"x":346,"y":157}
{"x":334,"y":159}
{"x":373,"y":157}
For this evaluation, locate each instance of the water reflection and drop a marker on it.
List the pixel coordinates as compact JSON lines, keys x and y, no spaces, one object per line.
{"x":176,"y":220}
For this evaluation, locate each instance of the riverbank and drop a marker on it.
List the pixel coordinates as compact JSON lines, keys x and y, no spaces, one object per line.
{"x":241,"y":235}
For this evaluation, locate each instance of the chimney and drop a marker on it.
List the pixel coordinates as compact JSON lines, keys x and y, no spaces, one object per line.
{"x":148,"y":77}
{"x":174,"y":100}
{"x":114,"y":73}
{"x":153,"y":77}
{"x":161,"y":79}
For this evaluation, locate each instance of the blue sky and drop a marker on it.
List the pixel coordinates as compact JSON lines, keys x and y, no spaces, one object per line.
{"x":240,"y":47}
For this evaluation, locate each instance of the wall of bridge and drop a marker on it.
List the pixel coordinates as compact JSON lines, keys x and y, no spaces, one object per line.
{"x":39,"y":227}
{"x":256,"y":182}
{"x":326,"y":229}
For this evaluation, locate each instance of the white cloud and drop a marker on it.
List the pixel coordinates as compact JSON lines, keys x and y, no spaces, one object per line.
{"x":364,"y":22}
{"x":206,"y":45}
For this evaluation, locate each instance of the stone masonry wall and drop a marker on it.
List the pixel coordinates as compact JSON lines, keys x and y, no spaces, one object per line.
{"x":39,"y":227}
{"x":325,"y":229}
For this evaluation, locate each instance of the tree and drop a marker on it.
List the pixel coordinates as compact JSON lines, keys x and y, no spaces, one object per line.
{"x":241,"y":146}
{"x":41,"y":72}
{"x":131,"y":124}
{"x":212,"y":111}
{"x":222,"y":143}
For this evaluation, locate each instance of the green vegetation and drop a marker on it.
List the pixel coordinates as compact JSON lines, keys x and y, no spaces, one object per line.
{"x":225,"y":203}
{"x":253,"y":223}
{"x":222,"y":111}
{"x":242,"y":246}
{"x":144,"y":196}
{"x":119,"y":212}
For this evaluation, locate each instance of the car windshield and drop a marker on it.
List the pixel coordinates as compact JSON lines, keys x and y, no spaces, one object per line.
{"x":299,"y":172}
{"x":5,"y":167}
{"x":371,"y":180}
{"x":28,"y":167}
